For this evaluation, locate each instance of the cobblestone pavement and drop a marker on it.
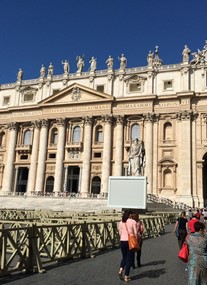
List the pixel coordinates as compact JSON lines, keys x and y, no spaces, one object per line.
{"x":159,"y":259}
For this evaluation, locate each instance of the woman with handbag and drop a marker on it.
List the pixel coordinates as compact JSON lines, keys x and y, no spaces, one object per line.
{"x":197,"y":259}
{"x":140,"y":230}
{"x":181,"y":229}
{"x":127,"y":227}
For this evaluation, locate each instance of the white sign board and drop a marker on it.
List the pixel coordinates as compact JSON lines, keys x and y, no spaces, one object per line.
{"x":127,"y":192}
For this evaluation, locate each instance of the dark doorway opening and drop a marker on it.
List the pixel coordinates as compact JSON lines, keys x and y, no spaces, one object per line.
{"x":96,"y":185}
{"x":49,"y":184}
{"x":73,"y":179}
{"x":22,"y":179}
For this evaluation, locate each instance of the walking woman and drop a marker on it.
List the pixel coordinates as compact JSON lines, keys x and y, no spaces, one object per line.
{"x":197,"y":260}
{"x":127,"y":225}
{"x":140,"y":230}
{"x":181,"y":225}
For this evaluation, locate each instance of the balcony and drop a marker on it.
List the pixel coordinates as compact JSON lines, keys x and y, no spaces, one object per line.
{"x":24,"y":148}
{"x":74,"y":146}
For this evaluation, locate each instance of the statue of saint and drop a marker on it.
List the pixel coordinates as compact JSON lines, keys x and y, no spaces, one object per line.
{"x":19,"y":75}
{"x":136,"y":158}
{"x":150,"y":58}
{"x":186,"y":54}
{"x":42,"y":71}
{"x":66,"y":66}
{"x":110,"y":63}
{"x":93,"y":64}
{"x":50,"y":70}
{"x":80,"y":63}
{"x":123,"y":62}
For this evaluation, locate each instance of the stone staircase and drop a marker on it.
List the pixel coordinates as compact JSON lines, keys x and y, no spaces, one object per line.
{"x":70,"y":204}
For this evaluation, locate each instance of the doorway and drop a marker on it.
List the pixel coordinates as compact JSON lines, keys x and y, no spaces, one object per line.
{"x":73,"y":179}
{"x":96,"y":185}
{"x":22,"y":179}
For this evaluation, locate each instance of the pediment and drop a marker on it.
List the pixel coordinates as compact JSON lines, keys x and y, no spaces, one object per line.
{"x":135,"y":78}
{"x":77,"y":93}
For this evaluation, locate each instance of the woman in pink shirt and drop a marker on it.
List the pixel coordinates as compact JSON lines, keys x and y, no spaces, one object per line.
{"x":127,"y":225}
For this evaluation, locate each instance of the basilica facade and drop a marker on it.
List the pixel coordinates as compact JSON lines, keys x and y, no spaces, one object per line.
{"x":68,"y":133}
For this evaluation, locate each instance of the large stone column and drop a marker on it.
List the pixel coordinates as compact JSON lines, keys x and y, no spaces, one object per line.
{"x":34,"y":157}
{"x":60,"y":156}
{"x":148,"y":142}
{"x":8,"y":180}
{"x":184,"y":158}
{"x":106,"y":162}
{"x":86,"y":156}
{"x":42,"y":156}
{"x":119,"y":146}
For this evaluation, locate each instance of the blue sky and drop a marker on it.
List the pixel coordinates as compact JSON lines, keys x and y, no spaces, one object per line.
{"x":36,"y":32}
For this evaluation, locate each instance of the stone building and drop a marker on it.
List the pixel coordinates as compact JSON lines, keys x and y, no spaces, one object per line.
{"x":68,"y":133}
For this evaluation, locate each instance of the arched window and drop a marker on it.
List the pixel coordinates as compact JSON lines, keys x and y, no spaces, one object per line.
{"x":2,"y":138}
{"x":167,"y":131}
{"x":54,"y":136}
{"x":135,"y":132}
{"x":96,"y":185}
{"x":27,"y":137}
{"x":99,"y":134}
{"x":50,"y":184}
{"x":76,"y":134}
{"x":167,"y":179}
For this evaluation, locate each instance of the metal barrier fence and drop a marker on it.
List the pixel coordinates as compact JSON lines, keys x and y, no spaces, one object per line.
{"x":31,"y":244}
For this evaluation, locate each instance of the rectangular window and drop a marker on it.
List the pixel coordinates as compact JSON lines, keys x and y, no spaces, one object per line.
{"x":135,"y":87}
{"x":52,"y":155}
{"x":97,"y":155}
{"x":24,"y":157}
{"x":55,"y":91}
{"x":6,"y":100}
{"x":168,"y":85}
{"x":100,"y":88}
{"x":28,"y":97}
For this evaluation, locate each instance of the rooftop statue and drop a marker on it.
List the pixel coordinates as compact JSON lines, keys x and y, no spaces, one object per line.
{"x":150,"y":58}
{"x":80,"y":63}
{"x":186,"y":54}
{"x":50,"y":70}
{"x":123,"y":62}
{"x":42,"y":71}
{"x":200,"y":56}
{"x":93,"y":64}
{"x":66,"y":67}
{"x":19,"y":75}
{"x":136,"y":158}
{"x":110,"y":62}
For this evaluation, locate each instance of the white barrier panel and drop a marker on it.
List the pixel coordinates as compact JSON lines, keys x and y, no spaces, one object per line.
{"x":127,"y":192}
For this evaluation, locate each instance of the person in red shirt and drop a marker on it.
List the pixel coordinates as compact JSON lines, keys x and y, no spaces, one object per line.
{"x":191,"y":224}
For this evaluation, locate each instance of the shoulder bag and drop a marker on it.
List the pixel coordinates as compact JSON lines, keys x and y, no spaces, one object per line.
{"x":132,"y":241}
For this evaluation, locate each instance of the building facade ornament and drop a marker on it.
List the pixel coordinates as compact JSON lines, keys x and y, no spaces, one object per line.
{"x":110,"y":63}
{"x":76,"y":94}
{"x":88,"y":120}
{"x":12,"y":126}
{"x":184,"y":115}
{"x":186,"y":54}
{"x":80,"y":63}
{"x":107,"y":119}
{"x":123,"y":62}
{"x":93,"y":64}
